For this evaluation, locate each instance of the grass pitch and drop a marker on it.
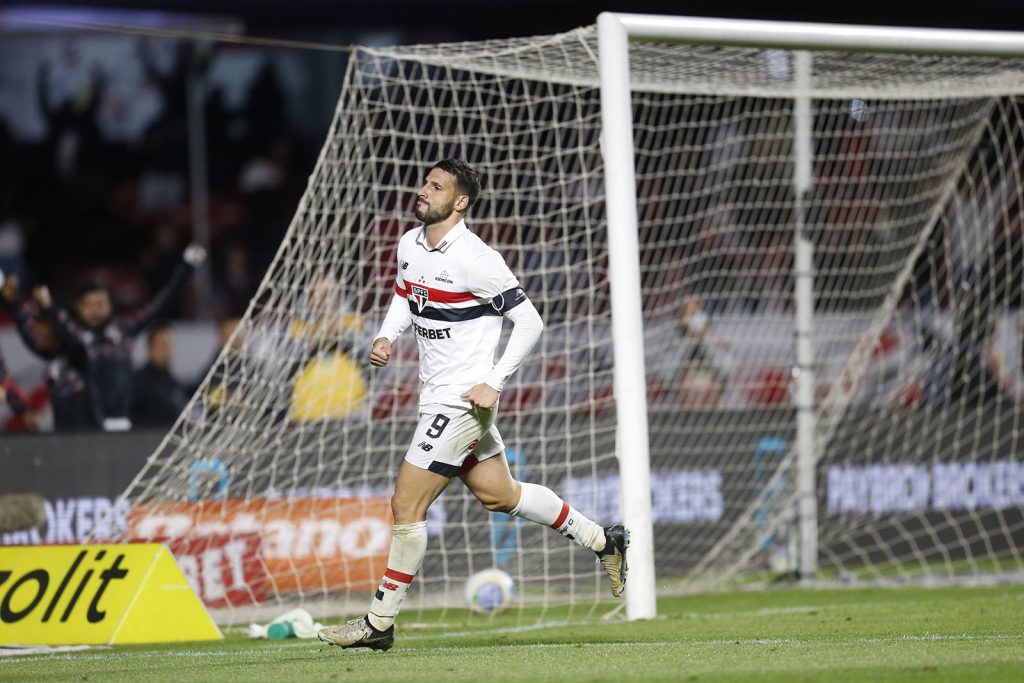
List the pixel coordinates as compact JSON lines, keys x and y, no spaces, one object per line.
{"x":949,"y":634}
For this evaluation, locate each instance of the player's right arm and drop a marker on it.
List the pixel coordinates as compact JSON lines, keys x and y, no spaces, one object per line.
{"x":398,"y":318}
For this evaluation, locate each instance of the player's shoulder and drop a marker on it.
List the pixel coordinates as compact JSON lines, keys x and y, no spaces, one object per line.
{"x":409,"y":236}
{"x":475,"y":244}
{"x":407,"y":241}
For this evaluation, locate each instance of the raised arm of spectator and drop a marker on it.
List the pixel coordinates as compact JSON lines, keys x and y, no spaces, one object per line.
{"x":71,"y":332}
{"x":23,"y":314}
{"x":192,"y":258}
{"x":9,"y":391}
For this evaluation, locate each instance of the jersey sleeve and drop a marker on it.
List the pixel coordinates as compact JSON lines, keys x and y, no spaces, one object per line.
{"x":526,"y":328}
{"x":398,"y":316}
{"x":397,"y":319}
{"x":489,"y":277}
{"x":399,"y":280}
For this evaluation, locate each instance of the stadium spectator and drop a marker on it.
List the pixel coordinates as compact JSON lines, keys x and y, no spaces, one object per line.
{"x":74,"y":136}
{"x":101,"y":344}
{"x":158,"y":397}
{"x":701,"y":382}
{"x":328,"y":383}
{"x":224,"y":378}
{"x":9,"y":391}
{"x":977,"y":375}
{"x":65,"y":383}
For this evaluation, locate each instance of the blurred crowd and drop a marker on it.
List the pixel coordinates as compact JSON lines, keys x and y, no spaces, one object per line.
{"x":90,"y":382}
{"x":93,"y":227}
{"x":80,"y":205}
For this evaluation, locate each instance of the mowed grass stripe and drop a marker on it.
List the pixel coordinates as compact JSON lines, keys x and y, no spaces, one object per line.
{"x":959,"y":634}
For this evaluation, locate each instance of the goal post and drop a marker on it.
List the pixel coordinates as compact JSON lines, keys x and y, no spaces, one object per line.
{"x":627,"y":321}
{"x":614,"y":32}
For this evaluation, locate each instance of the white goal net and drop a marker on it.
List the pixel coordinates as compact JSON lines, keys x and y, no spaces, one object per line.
{"x":284,"y":460}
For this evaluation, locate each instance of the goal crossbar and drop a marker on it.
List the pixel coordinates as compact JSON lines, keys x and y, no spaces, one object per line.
{"x":820,"y":36}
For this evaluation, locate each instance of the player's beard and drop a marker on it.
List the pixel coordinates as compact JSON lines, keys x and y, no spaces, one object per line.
{"x":436,"y":216}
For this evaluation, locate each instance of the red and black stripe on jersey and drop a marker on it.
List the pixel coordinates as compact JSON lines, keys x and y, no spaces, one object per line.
{"x":498,"y":306}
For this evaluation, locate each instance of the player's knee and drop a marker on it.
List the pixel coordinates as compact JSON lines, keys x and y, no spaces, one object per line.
{"x":505,"y":500}
{"x":403,"y":509}
{"x":502,"y":503}
{"x":494,"y":505}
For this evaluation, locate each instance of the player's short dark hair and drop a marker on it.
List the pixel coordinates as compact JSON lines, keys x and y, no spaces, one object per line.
{"x":467,"y":179}
{"x":89,"y":288}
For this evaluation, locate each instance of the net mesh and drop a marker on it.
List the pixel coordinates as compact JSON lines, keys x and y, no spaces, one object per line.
{"x":291,"y":445}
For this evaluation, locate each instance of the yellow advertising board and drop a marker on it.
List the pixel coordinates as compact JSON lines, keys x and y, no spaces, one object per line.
{"x":97,"y":595}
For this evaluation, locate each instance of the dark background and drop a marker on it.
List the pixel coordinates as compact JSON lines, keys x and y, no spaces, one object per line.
{"x":91,"y":216}
{"x":98,"y":232}
{"x":472,"y":20}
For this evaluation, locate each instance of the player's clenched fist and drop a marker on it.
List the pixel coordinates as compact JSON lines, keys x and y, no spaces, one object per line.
{"x":482,"y":396}
{"x":380,"y":353}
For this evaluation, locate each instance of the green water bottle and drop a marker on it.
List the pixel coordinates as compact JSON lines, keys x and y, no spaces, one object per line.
{"x":281,"y":630}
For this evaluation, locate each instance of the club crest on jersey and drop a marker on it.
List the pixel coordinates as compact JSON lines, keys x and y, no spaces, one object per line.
{"x":421,"y":295}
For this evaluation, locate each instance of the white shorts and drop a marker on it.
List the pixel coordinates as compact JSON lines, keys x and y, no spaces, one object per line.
{"x":451,"y":441}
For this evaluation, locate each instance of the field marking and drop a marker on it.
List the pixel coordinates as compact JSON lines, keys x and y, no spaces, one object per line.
{"x":525,"y":628}
{"x":632,"y":645}
{"x":798,"y":609}
{"x":160,"y":653}
{"x":47,"y":649}
{"x":766,"y":611}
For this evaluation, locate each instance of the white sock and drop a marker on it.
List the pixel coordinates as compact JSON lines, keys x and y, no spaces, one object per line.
{"x":541,"y":505}
{"x":408,"y":546}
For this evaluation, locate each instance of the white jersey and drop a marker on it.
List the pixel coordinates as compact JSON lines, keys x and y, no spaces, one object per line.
{"x":457,"y":294}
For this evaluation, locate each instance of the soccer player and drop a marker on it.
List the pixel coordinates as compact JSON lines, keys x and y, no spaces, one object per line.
{"x":454,"y":290}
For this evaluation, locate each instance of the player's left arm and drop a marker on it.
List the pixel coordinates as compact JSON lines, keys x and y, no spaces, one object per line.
{"x":498,"y":283}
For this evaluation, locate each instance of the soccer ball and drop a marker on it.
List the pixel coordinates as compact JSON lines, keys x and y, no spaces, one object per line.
{"x":490,"y":591}
{"x":859,"y":110}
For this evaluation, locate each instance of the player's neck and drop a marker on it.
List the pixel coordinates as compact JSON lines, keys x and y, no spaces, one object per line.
{"x":435,"y":232}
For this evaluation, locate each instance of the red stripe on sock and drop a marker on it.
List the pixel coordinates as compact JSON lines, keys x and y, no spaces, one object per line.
{"x":397,"y":576}
{"x":561,"y":515}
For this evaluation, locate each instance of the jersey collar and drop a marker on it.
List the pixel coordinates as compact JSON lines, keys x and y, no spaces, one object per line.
{"x":455,"y":233}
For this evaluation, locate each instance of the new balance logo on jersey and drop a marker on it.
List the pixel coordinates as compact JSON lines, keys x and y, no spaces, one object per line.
{"x":444,"y":277}
{"x":428,"y":333}
{"x":405,"y":264}
{"x":425,"y":446}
